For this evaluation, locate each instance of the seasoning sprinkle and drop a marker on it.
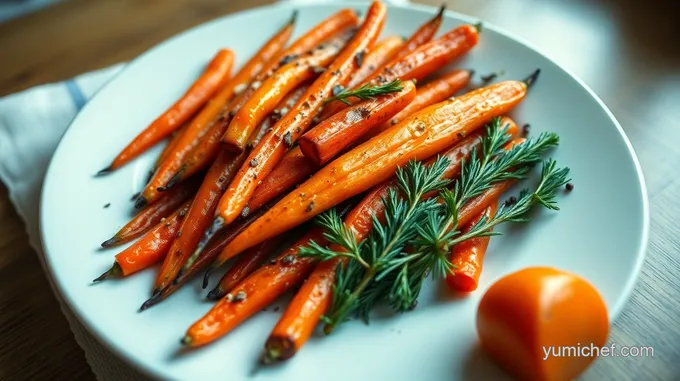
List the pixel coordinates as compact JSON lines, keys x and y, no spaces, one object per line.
{"x":569,"y":187}
{"x":239,"y":297}
{"x":359,"y":58}
{"x":245,"y":211}
{"x":310,"y":207}
{"x":288,"y":139}
{"x":107,"y":205}
{"x":253,"y":163}
{"x":288,"y":259}
{"x":337,"y":89}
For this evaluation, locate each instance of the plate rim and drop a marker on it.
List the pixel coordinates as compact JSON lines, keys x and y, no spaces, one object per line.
{"x":143,"y":367}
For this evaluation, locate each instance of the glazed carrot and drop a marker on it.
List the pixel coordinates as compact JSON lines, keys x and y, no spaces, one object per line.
{"x":208,"y":115}
{"x":311,"y":301}
{"x":174,"y":137}
{"x":152,"y":214}
{"x":211,"y":251}
{"x":150,"y":249}
{"x":422,"y":36}
{"x":381,"y":53}
{"x":433,"y":92}
{"x":272,"y":90}
{"x":468,"y":256}
{"x":209,"y":146}
{"x":290,"y":171}
{"x":213,"y":78}
{"x":286,"y":131}
{"x":420,"y":136}
{"x":421,"y":62}
{"x":199,"y":216}
{"x":254,"y":293}
{"x":244,"y":266}
{"x":333,"y":135}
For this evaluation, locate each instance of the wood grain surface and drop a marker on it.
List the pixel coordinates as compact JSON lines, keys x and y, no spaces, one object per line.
{"x":627,"y":51}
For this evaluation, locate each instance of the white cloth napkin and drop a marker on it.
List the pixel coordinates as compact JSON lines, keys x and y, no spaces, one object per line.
{"x":31,"y":124}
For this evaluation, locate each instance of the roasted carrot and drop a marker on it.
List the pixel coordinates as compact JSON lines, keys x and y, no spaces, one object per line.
{"x":467,"y":257}
{"x":209,"y":146}
{"x":213,"y":78}
{"x":152,"y":214}
{"x":199,"y":216}
{"x":421,"y":62}
{"x":208,"y":115}
{"x":333,"y":135}
{"x":290,"y":171}
{"x":174,"y":137}
{"x":311,"y":301}
{"x":420,"y":136}
{"x":286,"y":131}
{"x":272,"y":90}
{"x":378,"y":56}
{"x":150,"y":249}
{"x":433,"y":92}
{"x":211,"y":251}
{"x":422,"y":36}
{"x":244,"y":266}
{"x":254,"y":293}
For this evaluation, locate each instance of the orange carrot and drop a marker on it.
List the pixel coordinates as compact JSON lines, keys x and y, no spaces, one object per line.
{"x":174,"y":138}
{"x":210,"y":145}
{"x":199,"y":216}
{"x":211,"y":251}
{"x":213,"y":78}
{"x":150,"y":249}
{"x":243,"y":267}
{"x":271,"y":91}
{"x":290,"y":171}
{"x":286,"y":131}
{"x":254,"y":293}
{"x":338,"y":132}
{"x":420,"y":136}
{"x":423,"y":35}
{"x":433,"y":92}
{"x":468,"y":256}
{"x":152,"y":214}
{"x":381,"y":53}
{"x":311,"y":301}
{"x":421,"y":62}
{"x":208,"y":115}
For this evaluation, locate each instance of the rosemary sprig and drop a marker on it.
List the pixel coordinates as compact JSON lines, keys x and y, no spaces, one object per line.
{"x":367,"y":92}
{"x":416,"y":237}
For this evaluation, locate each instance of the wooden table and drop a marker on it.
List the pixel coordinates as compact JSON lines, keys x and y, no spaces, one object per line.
{"x":626,"y":50}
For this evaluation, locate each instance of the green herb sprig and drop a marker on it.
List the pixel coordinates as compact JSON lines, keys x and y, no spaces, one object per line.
{"x":367,"y":91}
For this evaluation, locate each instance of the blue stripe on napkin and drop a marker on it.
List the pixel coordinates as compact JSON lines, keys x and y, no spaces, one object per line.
{"x":76,"y":94}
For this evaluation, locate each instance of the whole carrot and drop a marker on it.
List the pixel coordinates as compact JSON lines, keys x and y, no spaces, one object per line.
{"x":311,"y":301}
{"x":207,"y":149}
{"x":421,"y":62}
{"x":254,"y":293}
{"x":174,"y":137}
{"x":243,"y":267}
{"x":421,"y":36}
{"x":208,"y":115}
{"x":150,"y":249}
{"x":467,"y":257}
{"x":333,"y":135}
{"x":199,"y":216}
{"x":214,"y":77}
{"x":152,"y":214}
{"x":433,"y":92}
{"x":418,"y":137}
{"x":286,"y":131}
{"x":378,"y":56}
{"x":272,"y":90}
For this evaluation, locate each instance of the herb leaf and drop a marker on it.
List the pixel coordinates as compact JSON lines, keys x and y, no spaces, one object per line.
{"x":367,"y":92}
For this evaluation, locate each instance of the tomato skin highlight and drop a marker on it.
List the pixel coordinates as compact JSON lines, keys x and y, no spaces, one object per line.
{"x":527,"y":317}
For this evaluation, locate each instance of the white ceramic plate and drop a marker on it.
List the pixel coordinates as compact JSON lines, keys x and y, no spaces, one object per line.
{"x":600,"y":233}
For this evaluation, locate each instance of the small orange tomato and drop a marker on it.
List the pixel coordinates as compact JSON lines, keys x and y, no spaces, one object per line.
{"x":541,"y":324}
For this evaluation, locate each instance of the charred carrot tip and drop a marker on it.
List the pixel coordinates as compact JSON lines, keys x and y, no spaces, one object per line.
{"x":490,"y":77}
{"x":215,"y":294}
{"x":186,"y":340}
{"x":525,"y":129}
{"x":293,"y":17}
{"x":471,"y":72}
{"x":104,"y":171}
{"x":440,"y":14}
{"x":206,"y":277}
{"x":175,"y":178}
{"x":152,"y":301}
{"x":135,"y":196}
{"x":532,"y":78}
{"x":111,"y":241}
{"x":178,"y":277}
{"x":140,"y":202}
{"x":115,"y":270}
{"x":478,"y":27}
